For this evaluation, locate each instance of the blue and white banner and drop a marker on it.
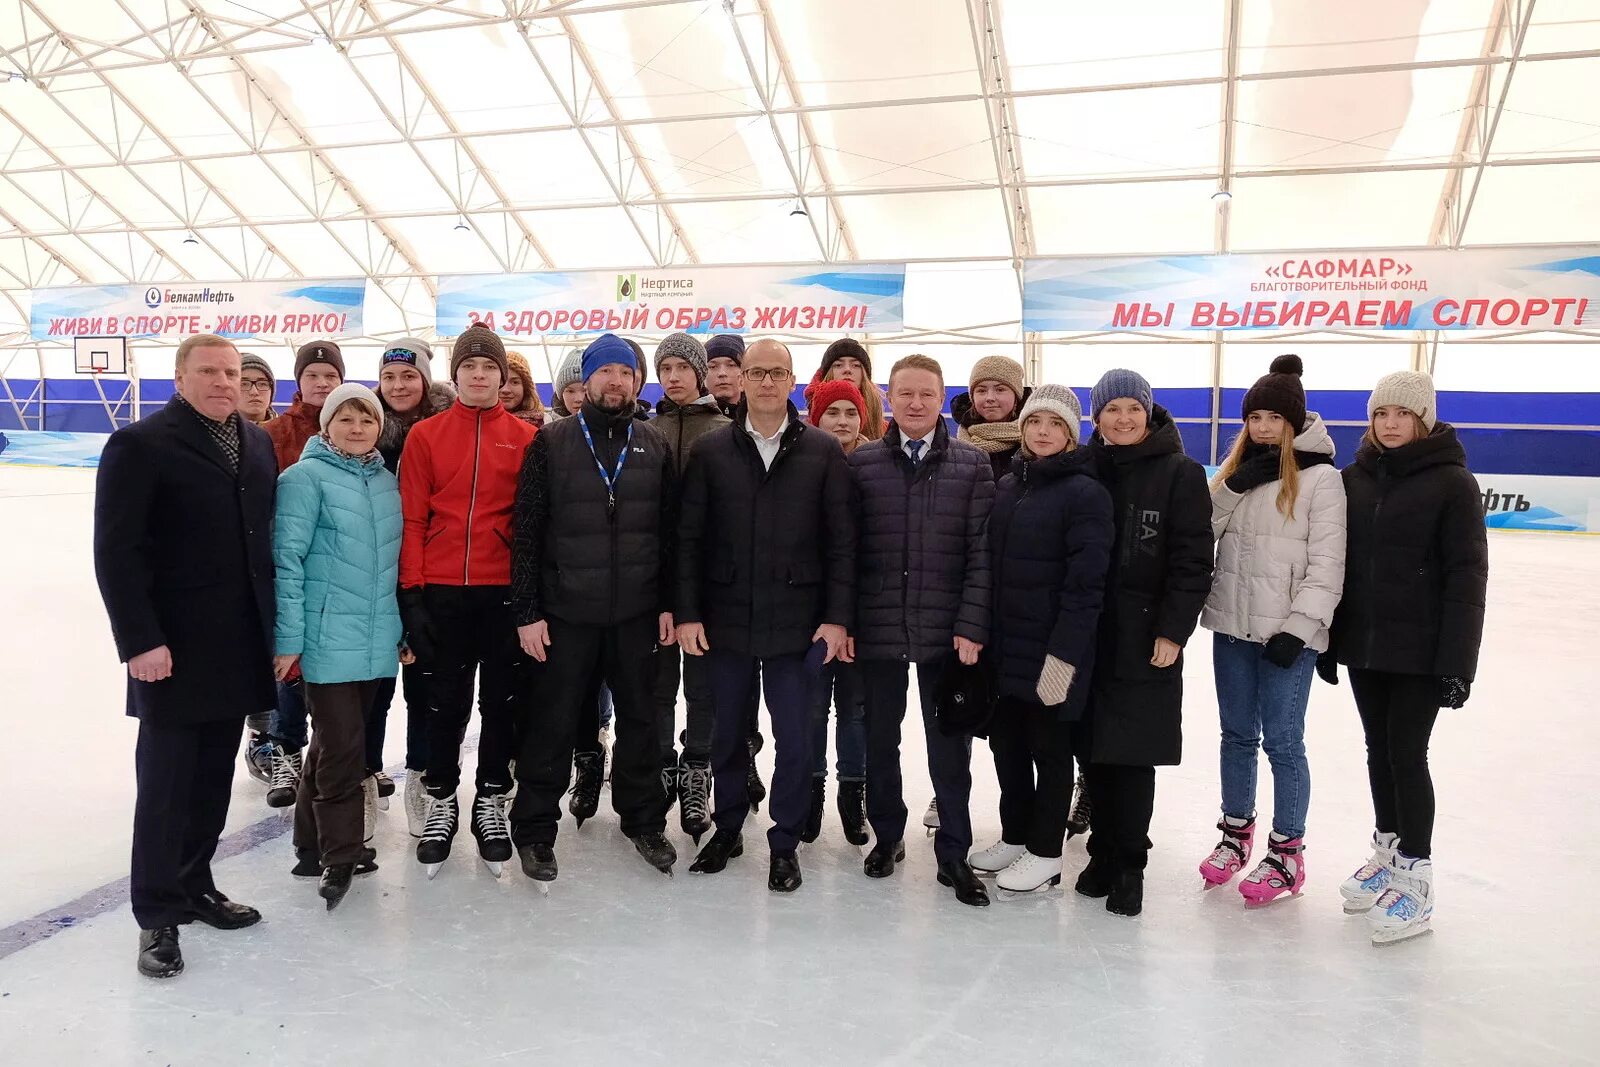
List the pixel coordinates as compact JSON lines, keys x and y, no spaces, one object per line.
{"x":326,"y":308}
{"x":1341,"y":291}
{"x":831,"y":299}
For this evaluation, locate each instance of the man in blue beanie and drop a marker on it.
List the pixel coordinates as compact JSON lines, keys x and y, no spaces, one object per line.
{"x":724,"y":370}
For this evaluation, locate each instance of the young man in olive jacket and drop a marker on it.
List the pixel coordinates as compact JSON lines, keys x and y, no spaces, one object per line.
{"x":923,"y":503}
{"x":591,"y":587}
{"x":766,"y":577}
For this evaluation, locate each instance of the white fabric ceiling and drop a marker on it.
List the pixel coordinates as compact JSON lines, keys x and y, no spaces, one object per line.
{"x":400,"y":140}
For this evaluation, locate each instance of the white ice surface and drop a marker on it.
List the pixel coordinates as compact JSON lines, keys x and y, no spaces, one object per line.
{"x":621,"y":965}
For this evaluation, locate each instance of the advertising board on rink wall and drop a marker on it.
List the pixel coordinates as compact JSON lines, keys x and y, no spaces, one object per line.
{"x":835,"y":299}
{"x":325,"y":308}
{"x":1342,"y":291}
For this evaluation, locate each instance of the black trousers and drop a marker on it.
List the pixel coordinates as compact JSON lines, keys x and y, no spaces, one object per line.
{"x":787,"y":684}
{"x":1397,"y":714}
{"x":1028,"y":738}
{"x":625,"y":656}
{"x":475,"y":636}
{"x":673,"y":666}
{"x":414,"y":692}
{"x":884,"y":685}
{"x":185,"y":779}
{"x":329,"y":813}
{"x":1122,"y":801}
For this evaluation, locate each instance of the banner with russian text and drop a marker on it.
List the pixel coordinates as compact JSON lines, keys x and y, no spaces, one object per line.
{"x":836,"y":298}
{"x":1434,"y":289}
{"x":326,"y":308}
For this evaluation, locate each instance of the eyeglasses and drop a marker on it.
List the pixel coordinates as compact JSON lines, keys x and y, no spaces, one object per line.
{"x":255,"y":385}
{"x":761,"y":374}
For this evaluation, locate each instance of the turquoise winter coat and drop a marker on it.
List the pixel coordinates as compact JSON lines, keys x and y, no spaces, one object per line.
{"x":336,"y":547}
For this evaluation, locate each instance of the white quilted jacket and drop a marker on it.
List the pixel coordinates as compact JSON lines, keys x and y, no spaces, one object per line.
{"x":1278,"y":574}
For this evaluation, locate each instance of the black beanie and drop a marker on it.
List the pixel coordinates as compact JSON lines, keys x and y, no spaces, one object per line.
{"x":845,"y":346}
{"x":1279,"y":390}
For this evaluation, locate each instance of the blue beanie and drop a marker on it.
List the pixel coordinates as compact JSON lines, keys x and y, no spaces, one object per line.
{"x":607,"y":348}
{"x":1118,"y":383}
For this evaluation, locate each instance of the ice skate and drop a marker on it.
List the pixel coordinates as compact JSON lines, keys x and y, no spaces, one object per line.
{"x":492,"y":830}
{"x":657,"y":851}
{"x":587,"y":770}
{"x":852,"y":804}
{"x":672,"y":782}
{"x":1405,"y":909}
{"x":1281,"y":872}
{"x":385,"y":789}
{"x":335,"y":883}
{"x":930,"y":818}
{"x":369,"y":808}
{"x":539,"y":864}
{"x":723,"y":846}
{"x":258,"y":757}
{"x":753,"y":785}
{"x":444,"y":817}
{"x":1028,"y":873}
{"x":416,"y":802}
{"x":606,"y":738}
{"x":1362,"y":889}
{"x":694,"y":808}
{"x":286,"y":768}
{"x":308,"y":863}
{"x":1231,"y":853}
{"x":996,"y":858}
{"x":1078,"y":818}
{"x":819,"y":799}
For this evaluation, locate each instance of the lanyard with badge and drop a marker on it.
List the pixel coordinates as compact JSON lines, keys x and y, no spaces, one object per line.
{"x":609,"y":479}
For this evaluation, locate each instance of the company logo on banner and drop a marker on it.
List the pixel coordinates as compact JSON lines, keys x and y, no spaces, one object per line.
{"x":176,"y":309}
{"x":1433,"y":289}
{"x":843,"y":297}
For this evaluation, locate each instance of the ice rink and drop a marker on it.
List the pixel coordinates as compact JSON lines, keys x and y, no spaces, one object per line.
{"x":622,"y":965}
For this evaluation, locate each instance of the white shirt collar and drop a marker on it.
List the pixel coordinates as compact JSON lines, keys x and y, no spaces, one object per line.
{"x":750,"y":428}
{"x":926,"y":439}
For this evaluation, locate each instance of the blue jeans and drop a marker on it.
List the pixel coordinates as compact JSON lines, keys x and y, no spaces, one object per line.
{"x":1263,"y":706}
{"x":289,"y":717}
{"x":840,"y":688}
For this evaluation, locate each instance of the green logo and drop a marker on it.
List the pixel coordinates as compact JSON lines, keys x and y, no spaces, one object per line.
{"x":627,"y":288}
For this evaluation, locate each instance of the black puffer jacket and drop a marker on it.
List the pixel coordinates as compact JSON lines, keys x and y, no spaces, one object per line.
{"x":396,"y":428}
{"x":924,"y":557}
{"x":573,"y":556}
{"x":1051,"y":538}
{"x":1160,"y":577}
{"x":1417,"y":562}
{"x":766,"y":556}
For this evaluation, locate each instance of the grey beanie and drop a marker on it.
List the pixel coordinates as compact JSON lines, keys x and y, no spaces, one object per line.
{"x":251,"y":361}
{"x":1117,"y":383}
{"x":1057,"y":400}
{"x":570,"y":371}
{"x":682,"y":346}
{"x":413,"y":352}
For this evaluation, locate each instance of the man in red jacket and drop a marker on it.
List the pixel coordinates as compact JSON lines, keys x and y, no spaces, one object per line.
{"x":458,"y":486}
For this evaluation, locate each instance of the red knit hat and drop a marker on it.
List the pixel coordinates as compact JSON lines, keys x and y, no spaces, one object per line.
{"x":823,"y":395}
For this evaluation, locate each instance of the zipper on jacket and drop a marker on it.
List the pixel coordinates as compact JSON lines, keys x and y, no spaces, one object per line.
{"x":1372,"y":564}
{"x":611,"y":519}
{"x":472,"y":499}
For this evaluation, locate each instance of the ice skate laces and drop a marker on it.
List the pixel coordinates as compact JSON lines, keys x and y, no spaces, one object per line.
{"x":285,"y":773}
{"x":489,"y":816}
{"x":441,"y":820}
{"x":697,"y":785}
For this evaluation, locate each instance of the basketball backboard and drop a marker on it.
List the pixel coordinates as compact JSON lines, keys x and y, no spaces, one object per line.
{"x":100,"y":355}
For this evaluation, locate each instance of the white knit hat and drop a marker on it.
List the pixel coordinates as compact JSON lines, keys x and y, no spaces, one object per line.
{"x":1409,"y":389}
{"x":347,"y":392}
{"x":1058,"y":400}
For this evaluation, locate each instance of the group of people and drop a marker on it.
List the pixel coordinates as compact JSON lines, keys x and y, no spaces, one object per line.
{"x":601,"y":556}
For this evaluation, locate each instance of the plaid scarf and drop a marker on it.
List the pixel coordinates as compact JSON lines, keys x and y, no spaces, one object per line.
{"x":225,"y":434}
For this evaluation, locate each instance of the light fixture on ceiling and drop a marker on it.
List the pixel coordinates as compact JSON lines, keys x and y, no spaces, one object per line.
{"x":16,"y":76}
{"x":323,"y":40}
{"x":461,"y":225}
{"x":191,"y":240}
{"x":799,"y":208}
{"x":1221,"y":196}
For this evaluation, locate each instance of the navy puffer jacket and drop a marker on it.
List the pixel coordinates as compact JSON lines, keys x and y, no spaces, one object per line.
{"x":924,"y":554}
{"x":1050,"y":536}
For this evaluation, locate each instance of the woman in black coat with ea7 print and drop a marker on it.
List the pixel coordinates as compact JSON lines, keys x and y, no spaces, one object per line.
{"x":1050,"y":541}
{"x":1160,"y":575}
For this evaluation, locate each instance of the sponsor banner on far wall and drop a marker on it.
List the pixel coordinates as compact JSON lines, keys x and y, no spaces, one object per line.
{"x":325,"y":308}
{"x":1431,"y":289}
{"x":830,"y":299}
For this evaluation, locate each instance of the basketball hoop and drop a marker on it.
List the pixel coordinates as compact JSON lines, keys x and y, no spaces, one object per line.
{"x":100,"y":355}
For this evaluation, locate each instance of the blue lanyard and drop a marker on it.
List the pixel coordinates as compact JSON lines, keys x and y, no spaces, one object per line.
{"x":622,"y":457}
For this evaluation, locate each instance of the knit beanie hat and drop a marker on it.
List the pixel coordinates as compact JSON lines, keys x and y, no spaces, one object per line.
{"x":726,"y":346}
{"x":1409,"y":389}
{"x":1057,"y":400}
{"x":638,"y":359}
{"x":251,"y":361}
{"x":607,"y":348}
{"x":570,"y":372}
{"x":346,"y":392}
{"x":517,"y":364}
{"x":412,"y":352}
{"x":479,"y":340}
{"x":823,"y":395}
{"x":1279,"y":390}
{"x":1117,"y":383}
{"x":318,"y":352}
{"x":849,"y":346}
{"x":1002,"y":369}
{"x":686,"y":348}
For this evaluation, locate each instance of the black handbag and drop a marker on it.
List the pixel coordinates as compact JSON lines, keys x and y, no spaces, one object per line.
{"x":964,"y":701}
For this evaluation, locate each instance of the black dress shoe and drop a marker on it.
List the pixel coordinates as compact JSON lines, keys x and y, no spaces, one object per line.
{"x":216,"y":910}
{"x":959,"y":877}
{"x":159,"y":955}
{"x":1127,"y":894}
{"x":784,"y":875}
{"x":723,"y":846}
{"x":1095,"y":880}
{"x":881,"y":860}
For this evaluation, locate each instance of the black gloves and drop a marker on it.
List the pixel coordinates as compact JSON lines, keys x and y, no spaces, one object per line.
{"x":1453,"y":691}
{"x":417,"y":624}
{"x":1282,"y":650}
{"x":1328,"y":668}
{"x":1257,"y":470}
